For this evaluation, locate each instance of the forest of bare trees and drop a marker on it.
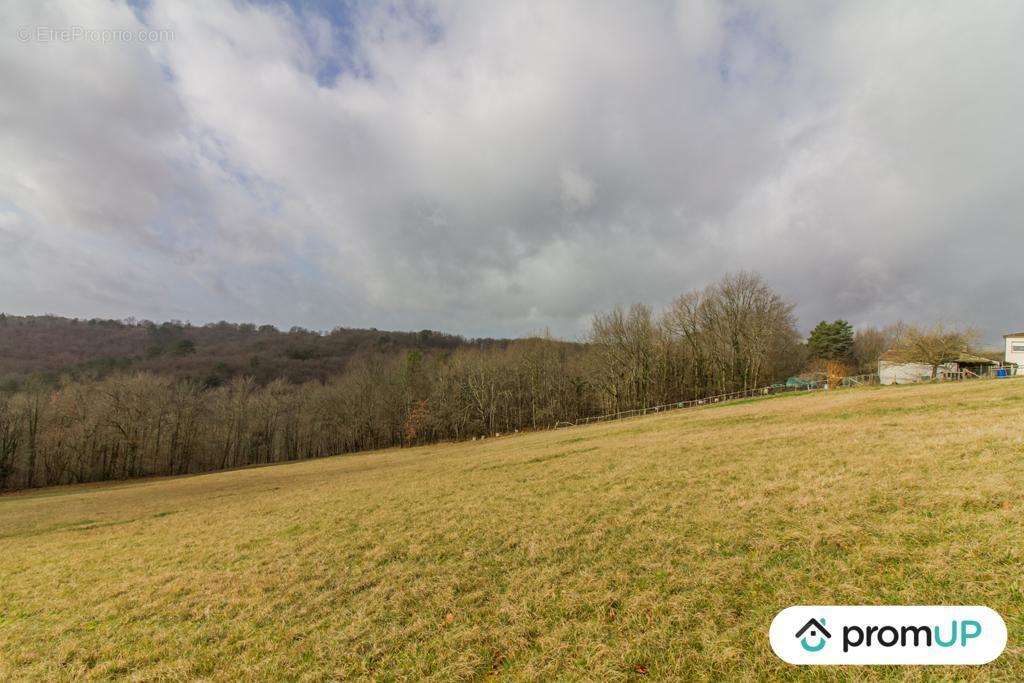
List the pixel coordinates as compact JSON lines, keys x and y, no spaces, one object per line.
{"x":50,"y":347}
{"x":736,"y":334}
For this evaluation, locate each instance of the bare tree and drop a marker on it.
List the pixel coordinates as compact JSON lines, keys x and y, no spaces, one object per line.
{"x":625,"y":343}
{"x":869,"y":343}
{"x":736,"y":334}
{"x":934,"y":346}
{"x":10,"y":434}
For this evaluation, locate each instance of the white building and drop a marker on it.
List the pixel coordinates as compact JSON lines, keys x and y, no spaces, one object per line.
{"x":891,"y":371}
{"x":1015,"y":350}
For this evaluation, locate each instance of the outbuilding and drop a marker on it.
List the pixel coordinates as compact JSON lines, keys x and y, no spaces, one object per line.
{"x":892,"y":371}
{"x":1015,"y":350}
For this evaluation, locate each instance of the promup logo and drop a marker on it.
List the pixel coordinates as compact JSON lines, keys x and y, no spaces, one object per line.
{"x":817,"y":629}
{"x":888,"y":635}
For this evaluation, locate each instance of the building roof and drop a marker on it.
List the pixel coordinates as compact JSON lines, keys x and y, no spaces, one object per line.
{"x":971,"y":359}
{"x":891,"y":357}
{"x":964,"y":358}
{"x":1013,"y":334}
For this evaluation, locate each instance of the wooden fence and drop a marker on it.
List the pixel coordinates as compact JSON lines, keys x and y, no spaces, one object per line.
{"x":815,"y":385}
{"x":821,"y":384}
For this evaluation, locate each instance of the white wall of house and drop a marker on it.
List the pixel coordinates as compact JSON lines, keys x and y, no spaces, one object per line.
{"x":1015,"y":352}
{"x":903,"y":373}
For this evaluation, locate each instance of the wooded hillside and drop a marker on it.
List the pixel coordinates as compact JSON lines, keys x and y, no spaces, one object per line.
{"x":207,"y":354}
{"x":222,"y":396}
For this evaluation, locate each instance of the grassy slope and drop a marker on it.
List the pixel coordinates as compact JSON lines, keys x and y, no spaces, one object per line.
{"x":662,"y":545}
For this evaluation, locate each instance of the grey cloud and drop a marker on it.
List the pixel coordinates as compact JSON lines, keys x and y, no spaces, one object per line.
{"x":498,"y":168}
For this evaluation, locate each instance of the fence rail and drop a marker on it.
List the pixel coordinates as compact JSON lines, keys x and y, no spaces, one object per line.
{"x":823,"y":384}
{"x":817,"y":385}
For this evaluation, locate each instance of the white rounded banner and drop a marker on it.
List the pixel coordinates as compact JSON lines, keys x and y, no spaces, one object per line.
{"x":863,"y":634}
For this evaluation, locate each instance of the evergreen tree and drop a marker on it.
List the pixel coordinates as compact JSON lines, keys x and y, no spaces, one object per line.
{"x":831,"y":340}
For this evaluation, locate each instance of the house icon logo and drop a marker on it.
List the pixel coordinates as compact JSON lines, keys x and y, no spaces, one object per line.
{"x":817,"y":632}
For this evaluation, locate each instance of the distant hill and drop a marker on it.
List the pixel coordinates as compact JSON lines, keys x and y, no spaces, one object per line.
{"x":52,"y":346}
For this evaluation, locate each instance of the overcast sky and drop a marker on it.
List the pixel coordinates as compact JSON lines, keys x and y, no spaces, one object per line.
{"x":501,"y":168}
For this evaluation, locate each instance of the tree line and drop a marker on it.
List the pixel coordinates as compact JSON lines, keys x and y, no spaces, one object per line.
{"x":139,"y":424}
{"x":733,"y":335}
{"x":210,"y":354}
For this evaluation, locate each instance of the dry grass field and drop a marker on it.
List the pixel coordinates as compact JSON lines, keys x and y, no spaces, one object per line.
{"x":659,"y":547}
